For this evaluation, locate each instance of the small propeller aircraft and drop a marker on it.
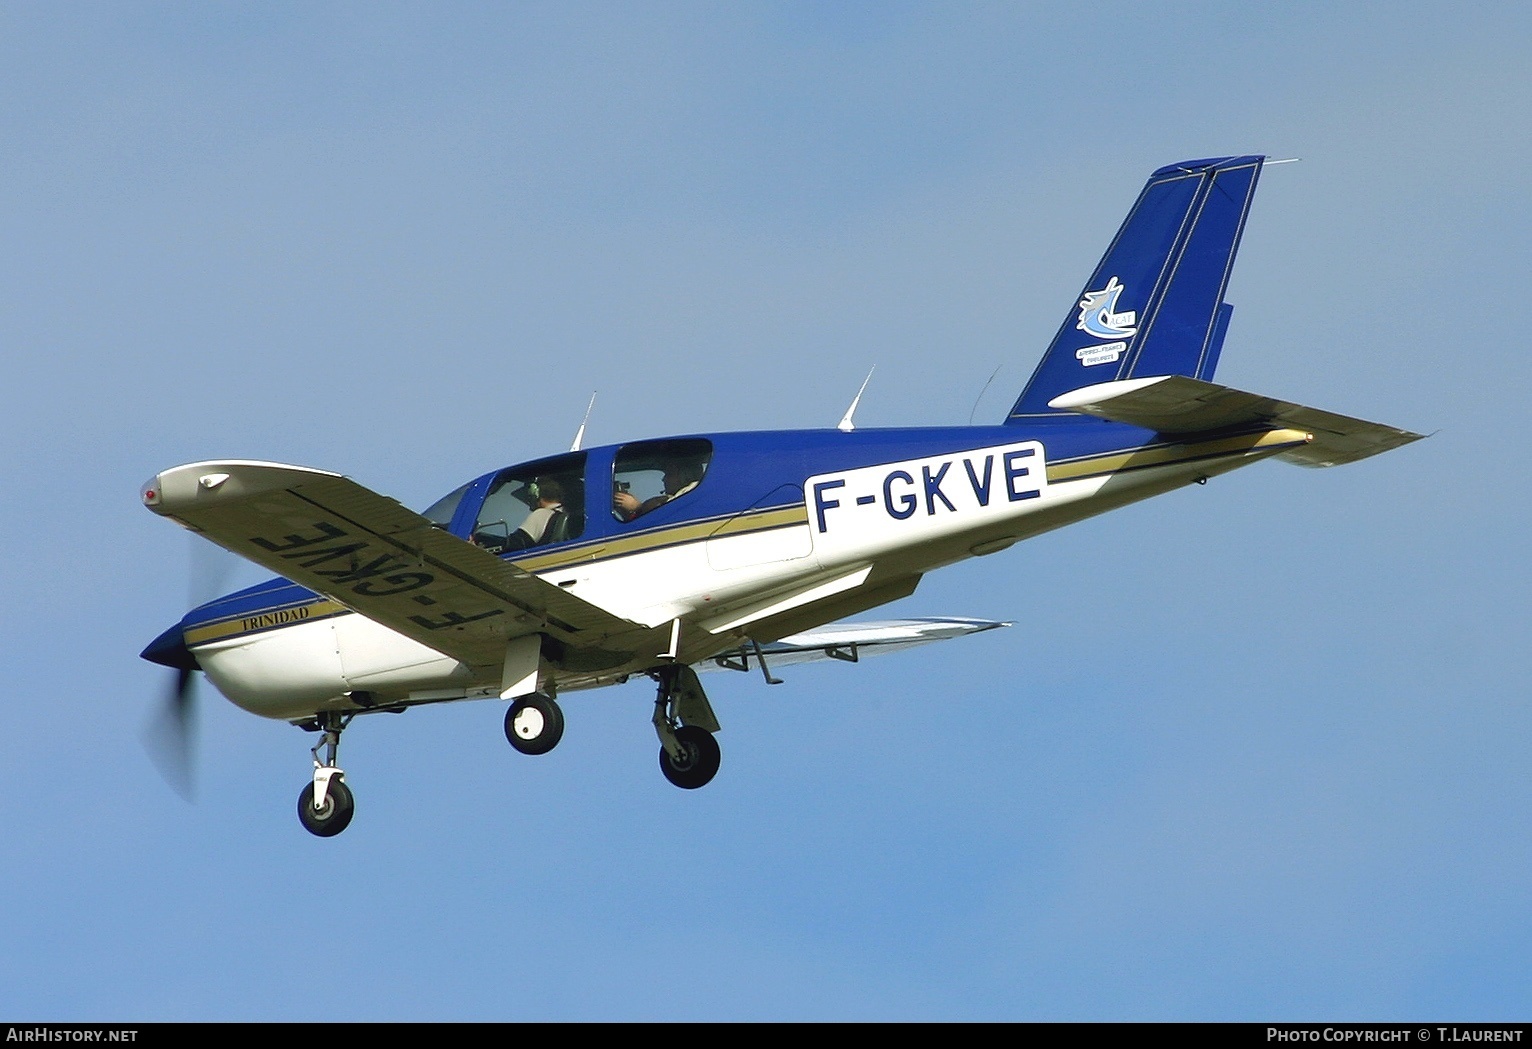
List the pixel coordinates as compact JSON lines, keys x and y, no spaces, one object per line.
{"x":661,"y":557}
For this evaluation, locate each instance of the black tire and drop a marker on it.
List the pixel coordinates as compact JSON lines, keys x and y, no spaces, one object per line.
{"x":701,"y":761}
{"x":339,"y":807}
{"x":534,"y":724}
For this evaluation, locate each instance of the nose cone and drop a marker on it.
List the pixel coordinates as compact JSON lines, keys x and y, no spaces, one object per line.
{"x":169,"y":650}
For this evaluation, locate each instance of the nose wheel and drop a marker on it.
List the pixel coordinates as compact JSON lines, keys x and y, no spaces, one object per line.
{"x":325,"y":806}
{"x":330,"y":817}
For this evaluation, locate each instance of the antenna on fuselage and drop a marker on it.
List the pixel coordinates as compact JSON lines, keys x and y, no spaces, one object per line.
{"x":975,"y":409}
{"x":846,"y":425}
{"x":580,"y":433}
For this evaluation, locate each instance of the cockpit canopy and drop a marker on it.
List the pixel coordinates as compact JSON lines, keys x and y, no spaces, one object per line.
{"x":546,"y":501}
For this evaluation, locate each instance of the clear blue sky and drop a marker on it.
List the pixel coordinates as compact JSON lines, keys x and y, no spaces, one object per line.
{"x":1255,"y":750}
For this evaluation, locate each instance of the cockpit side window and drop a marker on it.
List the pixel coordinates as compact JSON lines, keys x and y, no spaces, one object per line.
{"x":533,"y":505}
{"x":647,"y":475}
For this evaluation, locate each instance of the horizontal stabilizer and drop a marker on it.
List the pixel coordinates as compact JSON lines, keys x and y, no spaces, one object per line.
{"x":1177,"y":404}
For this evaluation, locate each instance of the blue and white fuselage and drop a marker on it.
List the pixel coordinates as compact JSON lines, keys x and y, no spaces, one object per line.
{"x":787,"y":530}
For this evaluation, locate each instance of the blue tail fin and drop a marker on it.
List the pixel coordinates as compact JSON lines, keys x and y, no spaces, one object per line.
{"x":1155,"y":304}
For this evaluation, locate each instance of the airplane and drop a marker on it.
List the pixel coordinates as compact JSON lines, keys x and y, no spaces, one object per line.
{"x":661,"y":557}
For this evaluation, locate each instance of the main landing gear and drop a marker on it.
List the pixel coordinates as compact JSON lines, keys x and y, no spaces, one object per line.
{"x":326,"y":806}
{"x":684,"y":721}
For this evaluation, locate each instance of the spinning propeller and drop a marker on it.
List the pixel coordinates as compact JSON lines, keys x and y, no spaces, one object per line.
{"x":170,"y":738}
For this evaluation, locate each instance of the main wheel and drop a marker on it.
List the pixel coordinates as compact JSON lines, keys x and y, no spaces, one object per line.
{"x":700,"y":758}
{"x":534,"y":724}
{"x":339,"y":807}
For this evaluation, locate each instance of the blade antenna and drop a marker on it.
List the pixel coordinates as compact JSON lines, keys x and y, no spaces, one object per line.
{"x":580,"y":433}
{"x":975,"y":409}
{"x":846,"y":425}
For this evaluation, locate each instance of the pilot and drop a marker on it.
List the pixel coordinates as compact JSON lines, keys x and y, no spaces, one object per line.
{"x":534,"y":530}
{"x":680,"y":478}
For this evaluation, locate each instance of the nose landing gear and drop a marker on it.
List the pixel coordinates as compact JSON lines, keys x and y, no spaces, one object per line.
{"x":325,"y":806}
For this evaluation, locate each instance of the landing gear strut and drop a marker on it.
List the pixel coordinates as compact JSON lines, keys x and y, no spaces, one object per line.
{"x":326,"y":805}
{"x":684,"y":721}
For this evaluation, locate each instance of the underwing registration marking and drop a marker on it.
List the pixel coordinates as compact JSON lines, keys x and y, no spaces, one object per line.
{"x":356,"y":565}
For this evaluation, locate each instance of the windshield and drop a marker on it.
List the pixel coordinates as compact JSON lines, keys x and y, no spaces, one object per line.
{"x":440,"y":513}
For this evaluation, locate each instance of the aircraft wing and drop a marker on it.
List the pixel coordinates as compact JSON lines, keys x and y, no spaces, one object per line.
{"x":1180,"y":404}
{"x":849,"y":642}
{"x":373,"y":555}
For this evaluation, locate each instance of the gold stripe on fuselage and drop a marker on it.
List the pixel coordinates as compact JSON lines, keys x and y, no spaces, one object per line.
{"x":309,"y":610}
{"x":691,"y":531}
{"x":1171,"y":454}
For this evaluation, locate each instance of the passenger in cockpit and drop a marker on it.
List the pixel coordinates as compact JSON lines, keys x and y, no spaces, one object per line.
{"x":680,"y":478}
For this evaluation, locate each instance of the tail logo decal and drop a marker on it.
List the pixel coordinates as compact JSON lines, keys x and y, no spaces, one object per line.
{"x":1099,"y":317}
